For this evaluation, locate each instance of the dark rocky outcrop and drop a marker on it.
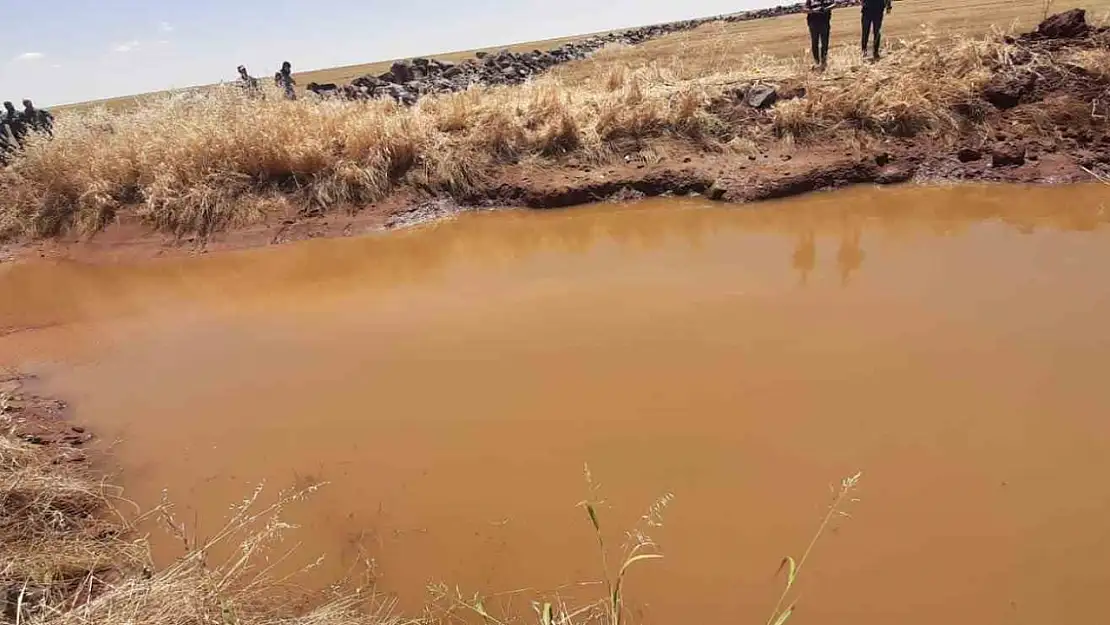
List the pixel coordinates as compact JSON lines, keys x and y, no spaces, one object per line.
{"x":327,"y":89}
{"x":408,"y":80}
{"x":1067,"y":25}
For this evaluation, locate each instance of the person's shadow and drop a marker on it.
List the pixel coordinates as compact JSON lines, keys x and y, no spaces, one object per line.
{"x":850,"y":255}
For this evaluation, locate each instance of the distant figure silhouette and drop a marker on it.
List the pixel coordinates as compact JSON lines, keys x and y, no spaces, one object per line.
{"x":819,"y":19}
{"x":40,"y":120}
{"x":872,"y":21}
{"x":16,"y":123}
{"x":285,"y":80}
{"x":248,"y":83}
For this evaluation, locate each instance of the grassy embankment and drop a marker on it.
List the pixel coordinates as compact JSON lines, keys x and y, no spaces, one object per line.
{"x":195,"y":165}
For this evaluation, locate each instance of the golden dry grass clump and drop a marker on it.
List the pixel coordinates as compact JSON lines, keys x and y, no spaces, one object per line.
{"x":199,"y":163}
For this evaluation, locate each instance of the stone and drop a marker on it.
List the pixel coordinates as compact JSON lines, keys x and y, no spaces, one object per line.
{"x":716,"y":191}
{"x":1008,"y":156}
{"x":762,"y":96}
{"x":1066,"y":25}
{"x":400,"y":72}
{"x":1006,"y":93}
{"x":968,"y":155}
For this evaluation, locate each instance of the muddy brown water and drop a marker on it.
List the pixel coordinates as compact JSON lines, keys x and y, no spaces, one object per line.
{"x":449,"y":382}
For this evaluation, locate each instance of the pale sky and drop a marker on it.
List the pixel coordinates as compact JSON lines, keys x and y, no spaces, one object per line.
{"x":75,"y":50}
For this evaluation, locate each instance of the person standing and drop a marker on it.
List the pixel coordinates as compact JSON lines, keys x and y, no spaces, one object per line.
{"x":41,"y":120}
{"x":8,"y":144}
{"x":819,"y":19}
{"x":16,"y":123}
{"x":248,"y":83}
{"x":872,"y":22}
{"x":285,"y":76}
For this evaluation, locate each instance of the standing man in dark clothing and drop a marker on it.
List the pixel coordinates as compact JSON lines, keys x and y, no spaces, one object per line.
{"x":873,"y":11}
{"x":16,"y":123}
{"x":819,"y":19}
{"x":40,"y":120}
{"x":287,"y":82}
{"x":248,"y":83}
{"x":8,"y":144}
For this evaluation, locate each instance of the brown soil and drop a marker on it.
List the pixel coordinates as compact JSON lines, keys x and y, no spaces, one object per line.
{"x":41,"y":420}
{"x":1068,"y":107}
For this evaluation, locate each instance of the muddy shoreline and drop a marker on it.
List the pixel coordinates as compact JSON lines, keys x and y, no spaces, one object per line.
{"x":738,"y":180}
{"x":40,"y":420}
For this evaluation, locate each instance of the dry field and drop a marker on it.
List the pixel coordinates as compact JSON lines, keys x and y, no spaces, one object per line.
{"x":719,"y":46}
{"x":784,"y":36}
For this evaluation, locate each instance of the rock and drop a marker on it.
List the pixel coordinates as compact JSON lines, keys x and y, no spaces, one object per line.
{"x":762,"y":96}
{"x":968,"y":155}
{"x":1008,"y":156}
{"x":323,"y":90}
{"x":481,"y":55}
{"x":400,"y":72}
{"x":716,"y":191}
{"x":1067,"y":25}
{"x":1007,"y":92}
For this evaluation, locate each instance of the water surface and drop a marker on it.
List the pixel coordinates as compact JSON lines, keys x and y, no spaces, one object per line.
{"x":449,"y":383}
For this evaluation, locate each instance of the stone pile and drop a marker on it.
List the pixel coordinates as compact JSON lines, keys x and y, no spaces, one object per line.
{"x":406,"y":81}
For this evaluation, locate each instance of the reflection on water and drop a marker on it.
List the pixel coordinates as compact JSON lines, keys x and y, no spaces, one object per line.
{"x":449,"y":382}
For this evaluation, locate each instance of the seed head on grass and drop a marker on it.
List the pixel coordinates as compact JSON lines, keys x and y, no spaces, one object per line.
{"x":842,"y":497}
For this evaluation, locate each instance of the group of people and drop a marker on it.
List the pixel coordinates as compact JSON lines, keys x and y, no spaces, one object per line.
{"x":819,"y":19}
{"x":16,"y":125}
{"x":283,"y":79}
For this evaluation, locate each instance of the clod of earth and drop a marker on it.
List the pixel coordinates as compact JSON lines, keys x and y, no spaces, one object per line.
{"x":1068,"y":25}
{"x":1008,"y":155}
{"x":968,"y":155}
{"x":1007,"y":92}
